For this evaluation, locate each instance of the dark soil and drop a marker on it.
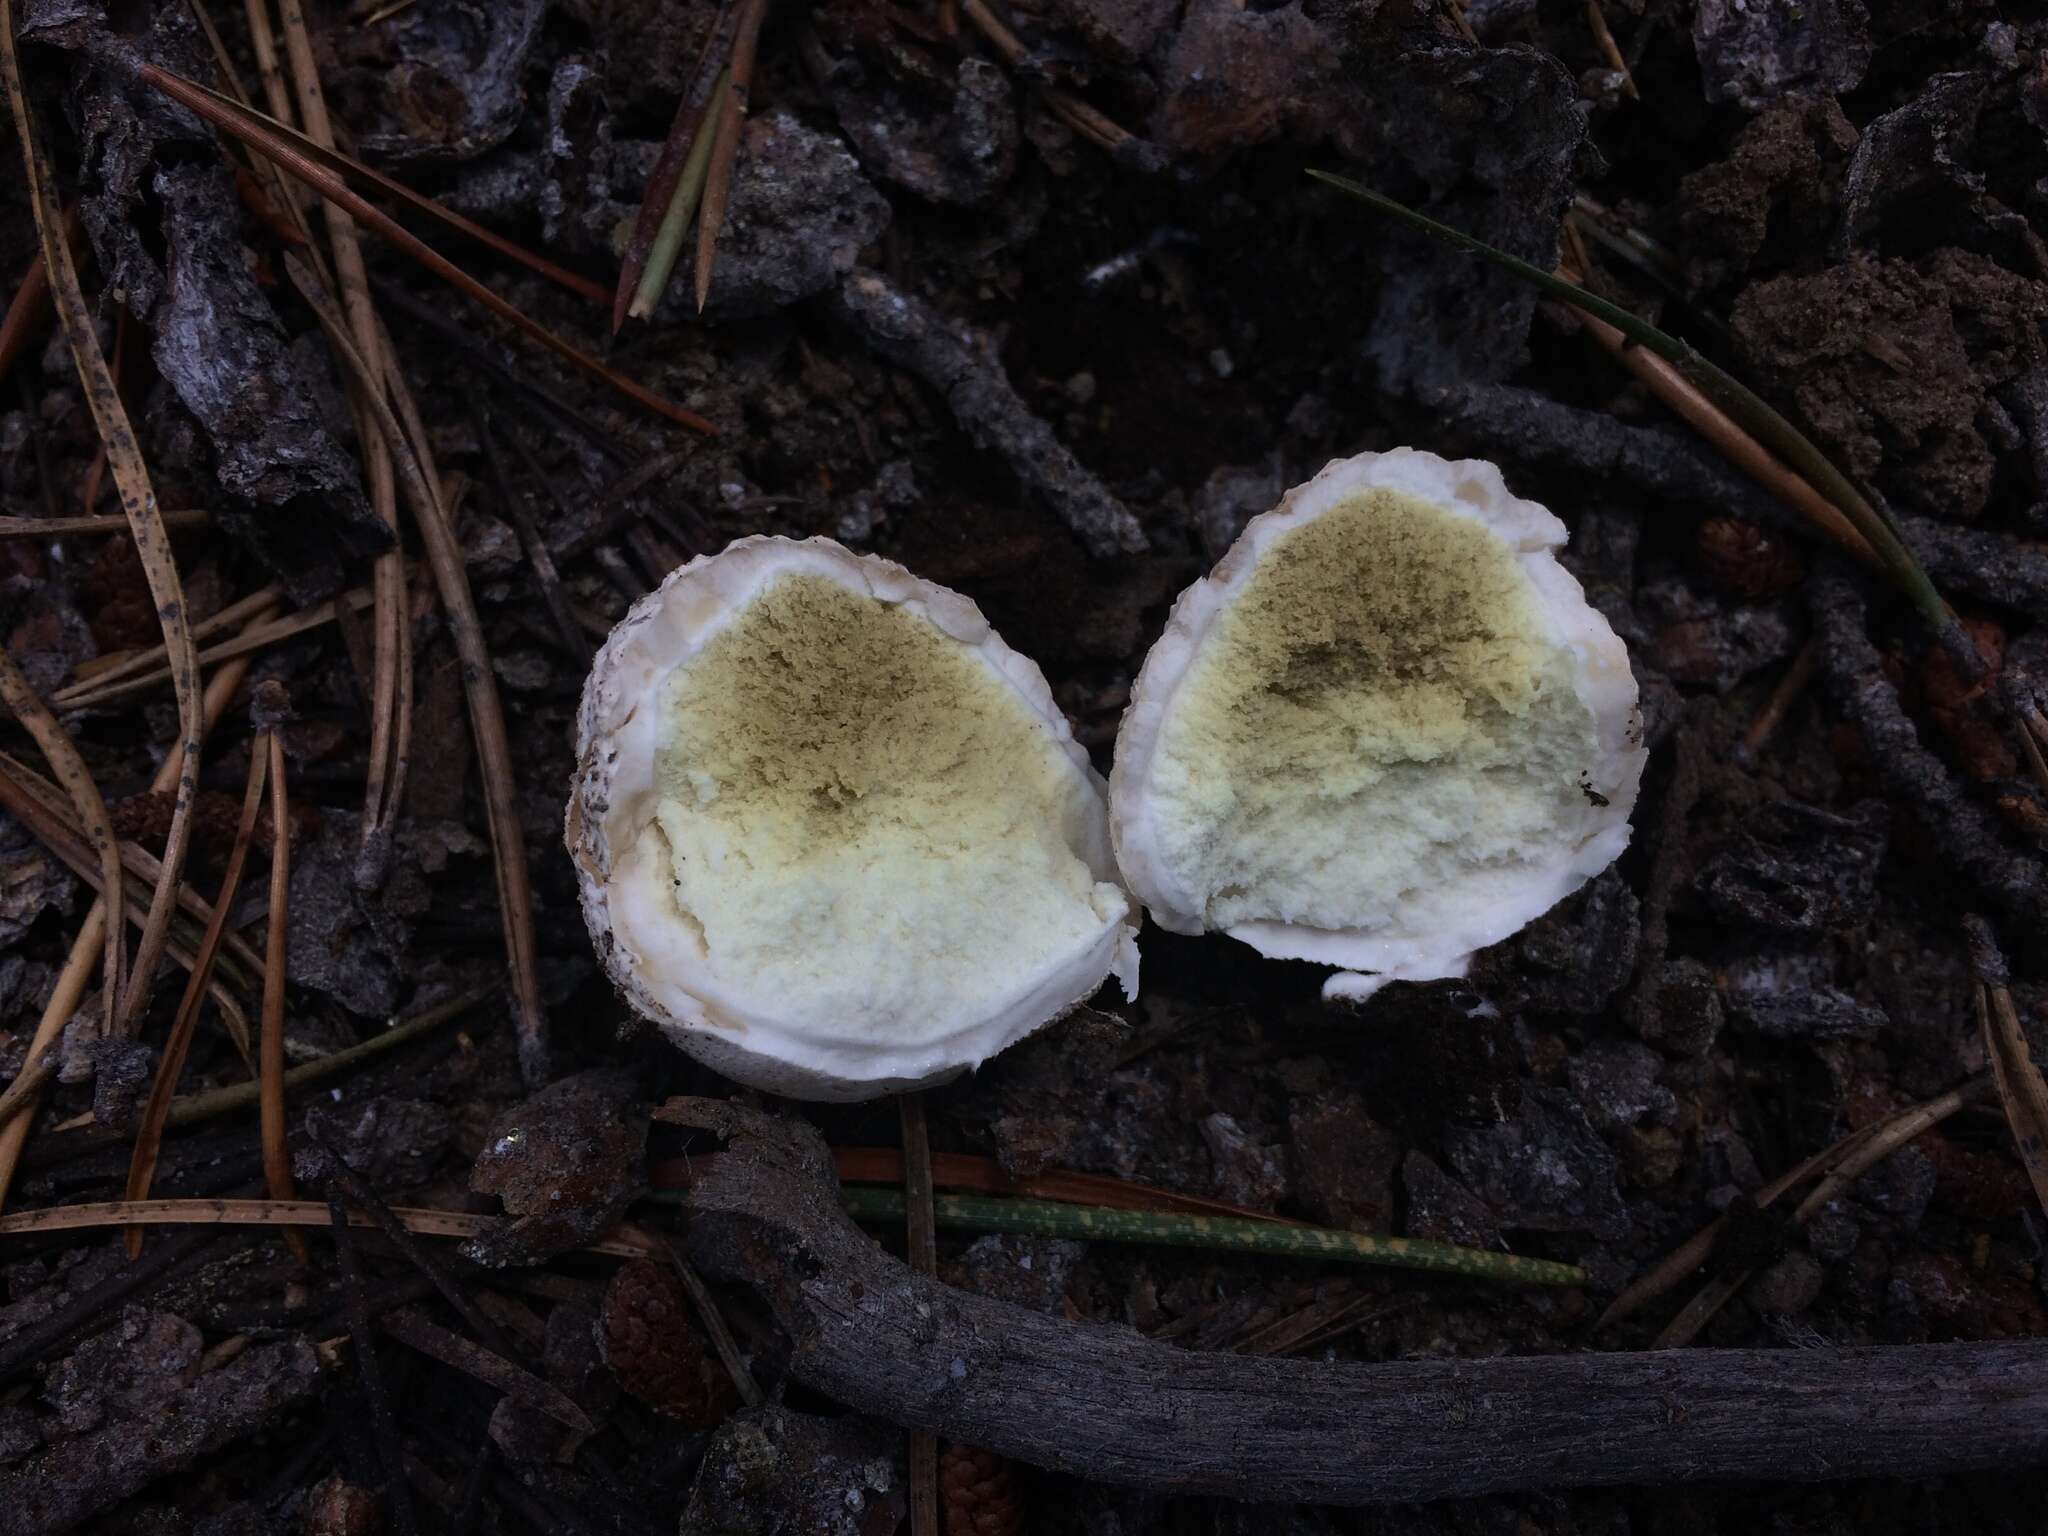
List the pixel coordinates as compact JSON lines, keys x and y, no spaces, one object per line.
{"x":1113,"y":358}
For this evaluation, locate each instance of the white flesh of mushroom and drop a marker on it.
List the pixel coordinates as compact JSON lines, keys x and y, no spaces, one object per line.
{"x":1386,"y":731}
{"x":834,"y":836}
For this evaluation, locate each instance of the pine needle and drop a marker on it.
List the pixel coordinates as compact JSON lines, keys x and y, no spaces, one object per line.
{"x":177,"y":1046}
{"x":391,"y":668}
{"x":675,"y":223}
{"x":20,"y":696}
{"x":486,"y":712}
{"x":277,"y":1159}
{"x":78,"y":967}
{"x":622,"y":1243}
{"x":138,"y":502}
{"x":253,"y":130}
{"x":2021,"y":1087}
{"x":730,"y":110}
{"x":1045,"y":1218}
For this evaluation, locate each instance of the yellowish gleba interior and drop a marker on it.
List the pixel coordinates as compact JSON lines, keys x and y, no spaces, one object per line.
{"x":1379,"y":709}
{"x":863,"y":825}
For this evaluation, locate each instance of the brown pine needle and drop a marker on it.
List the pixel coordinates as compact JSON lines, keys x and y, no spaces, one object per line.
{"x":923,"y":1253}
{"x":667,"y":204}
{"x":1609,"y":50}
{"x":486,"y":714}
{"x":57,"y":527}
{"x":38,"y":805}
{"x":78,"y":967}
{"x":21,"y":1094}
{"x":24,"y":313}
{"x":138,"y":501}
{"x":251,"y":129}
{"x":177,"y":1046}
{"x":1686,"y":400}
{"x":682,"y":209}
{"x":411,"y":1328}
{"x":316,"y":148}
{"x":1839,"y":1165}
{"x":2021,"y":1088}
{"x":20,"y":696}
{"x":95,"y":692}
{"x":731,"y":114}
{"x":623,"y":1242}
{"x":35,"y":803}
{"x":116,"y":664}
{"x":212,"y":1103}
{"x":1069,"y":108}
{"x":277,"y":1160}
{"x":391,"y":686}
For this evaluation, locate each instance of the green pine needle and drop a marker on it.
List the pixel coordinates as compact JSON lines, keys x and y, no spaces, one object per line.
{"x":1174,"y":1229}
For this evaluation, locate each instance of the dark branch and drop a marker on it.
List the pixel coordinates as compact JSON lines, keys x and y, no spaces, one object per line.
{"x":1103,"y":1402}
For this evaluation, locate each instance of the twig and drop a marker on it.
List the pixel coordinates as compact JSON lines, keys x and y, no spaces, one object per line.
{"x":1076,"y":113}
{"x":358,"y":1189}
{"x":1106,"y":1405}
{"x":725,"y":145}
{"x":1970,"y":839}
{"x":487,"y":719}
{"x":904,"y":330}
{"x":275,"y":147}
{"x":370,"y":1373}
{"x":924,"y":1259}
{"x":77,"y":781}
{"x":99,"y":1303}
{"x":1766,"y":428}
{"x":138,"y":502}
{"x":624,"y":1242}
{"x":492,"y":1369}
{"x":263,"y":43}
{"x":277,"y":1161}
{"x":984,"y":1175}
{"x":712,"y":1319}
{"x":149,"y":1136}
{"x":2021,"y":1087}
{"x":58,"y":527}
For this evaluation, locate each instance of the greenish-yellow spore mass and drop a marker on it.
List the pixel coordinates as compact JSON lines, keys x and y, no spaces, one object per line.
{"x":865,"y":827}
{"x":1379,"y":705}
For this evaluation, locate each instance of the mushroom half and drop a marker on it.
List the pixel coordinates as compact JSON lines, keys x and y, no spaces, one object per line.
{"x":834,"y":837}
{"x":1386,"y":731}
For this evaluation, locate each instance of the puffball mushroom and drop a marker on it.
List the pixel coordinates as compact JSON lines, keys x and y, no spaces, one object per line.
{"x":834,"y":837}
{"x":1386,"y":731}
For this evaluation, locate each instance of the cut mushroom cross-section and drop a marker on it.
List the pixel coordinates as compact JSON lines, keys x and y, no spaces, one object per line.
{"x":833,"y":835}
{"x":1386,"y":731}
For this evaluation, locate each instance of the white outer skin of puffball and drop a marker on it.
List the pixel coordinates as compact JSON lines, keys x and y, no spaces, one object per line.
{"x":613,"y":798}
{"x":1474,"y":490}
